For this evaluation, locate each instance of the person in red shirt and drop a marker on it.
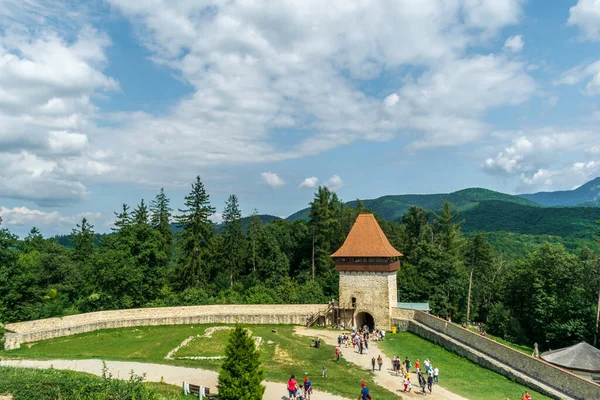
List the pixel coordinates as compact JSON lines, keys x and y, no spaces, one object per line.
{"x":337,"y":354}
{"x":292,"y":386}
{"x":417,"y":365}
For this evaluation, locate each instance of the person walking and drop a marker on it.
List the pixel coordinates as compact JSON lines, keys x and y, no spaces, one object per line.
{"x":436,"y":373}
{"x":373,"y":363}
{"x":429,"y":382}
{"x":418,"y":365}
{"x":337,"y":354}
{"x":407,"y":364}
{"x":364,"y":393}
{"x":324,"y":372}
{"x":379,"y":362}
{"x":292,"y":386}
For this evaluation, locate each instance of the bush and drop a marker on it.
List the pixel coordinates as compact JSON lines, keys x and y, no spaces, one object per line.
{"x":51,"y":384}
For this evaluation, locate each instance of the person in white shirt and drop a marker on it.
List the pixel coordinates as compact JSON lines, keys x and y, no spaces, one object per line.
{"x":436,"y":372}
{"x":427,"y":365}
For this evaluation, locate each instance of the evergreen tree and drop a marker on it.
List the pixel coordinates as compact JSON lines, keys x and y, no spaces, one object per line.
{"x":254,"y":231}
{"x":241,"y":373}
{"x":123,"y":219}
{"x":479,"y":263}
{"x":450,"y":228}
{"x":84,"y":241}
{"x":234,"y":239}
{"x":195,"y":236}
{"x":140,"y":214}
{"x":161,"y":219}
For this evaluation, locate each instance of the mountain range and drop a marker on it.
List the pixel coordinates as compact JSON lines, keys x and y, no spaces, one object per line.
{"x":568,"y":217}
{"x":585,"y":195}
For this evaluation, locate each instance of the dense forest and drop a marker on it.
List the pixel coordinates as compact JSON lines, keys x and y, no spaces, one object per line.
{"x":542,"y":293}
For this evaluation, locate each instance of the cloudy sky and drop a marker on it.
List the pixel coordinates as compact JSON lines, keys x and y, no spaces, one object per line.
{"x":103,"y":102}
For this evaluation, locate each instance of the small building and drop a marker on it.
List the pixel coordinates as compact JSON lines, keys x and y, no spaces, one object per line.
{"x":581,"y":359}
{"x":367,"y":264}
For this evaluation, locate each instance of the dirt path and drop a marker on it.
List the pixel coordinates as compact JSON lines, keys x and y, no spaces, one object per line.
{"x":384,"y":378}
{"x":172,"y":374}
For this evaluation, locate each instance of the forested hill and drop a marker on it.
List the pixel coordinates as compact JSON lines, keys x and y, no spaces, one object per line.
{"x":500,"y":216}
{"x":392,"y":207}
{"x":585,"y":195}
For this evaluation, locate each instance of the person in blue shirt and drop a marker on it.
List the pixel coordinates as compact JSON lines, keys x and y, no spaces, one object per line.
{"x":307,"y":388}
{"x":364,"y":393}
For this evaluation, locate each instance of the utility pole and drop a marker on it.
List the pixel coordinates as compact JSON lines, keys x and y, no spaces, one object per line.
{"x":469,"y":297}
{"x":597,"y":319}
{"x":313,"y":253}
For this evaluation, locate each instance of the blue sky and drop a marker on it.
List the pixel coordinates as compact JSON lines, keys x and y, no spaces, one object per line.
{"x":105,"y":102}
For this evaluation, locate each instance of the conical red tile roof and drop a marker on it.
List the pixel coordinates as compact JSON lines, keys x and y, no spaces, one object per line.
{"x":366,"y":239}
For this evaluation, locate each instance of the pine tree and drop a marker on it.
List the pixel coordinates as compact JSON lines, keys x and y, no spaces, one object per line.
{"x":161,"y":219}
{"x":450,"y":228}
{"x":195,"y":236}
{"x":254,"y":231}
{"x":241,"y":374}
{"x":140,"y":214}
{"x":123,"y":219}
{"x":234,"y":239}
{"x":84,"y":241}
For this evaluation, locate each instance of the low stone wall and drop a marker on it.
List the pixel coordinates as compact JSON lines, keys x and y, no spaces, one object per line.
{"x":539,"y":370}
{"x":33,"y":331}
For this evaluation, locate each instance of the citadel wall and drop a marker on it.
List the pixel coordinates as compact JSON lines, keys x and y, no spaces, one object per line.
{"x":33,"y":331}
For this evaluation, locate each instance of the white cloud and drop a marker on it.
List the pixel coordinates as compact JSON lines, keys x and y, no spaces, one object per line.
{"x":310,"y":182}
{"x":334,"y":183}
{"x":447,"y":103}
{"x":272,"y":180}
{"x":46,"y":113}
{"x":251,"y":75}
{"x":580,"y":73}
{"x":535,"y":158}
{"x":22,"y":219}
{"x":514,"y":43}
{"x":586,"y":16}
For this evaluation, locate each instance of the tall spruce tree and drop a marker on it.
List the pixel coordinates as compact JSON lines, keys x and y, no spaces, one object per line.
{"x":161,"y":219}
{"x":196,"y":232}
{"x":448,"y":222}
{"x":241,"y":373}
{"x":123,"y":218}
{"x":84,"y":241}
{"x":254,"y":231}
{"x":234,"y":239}
{"x":140,"y":214}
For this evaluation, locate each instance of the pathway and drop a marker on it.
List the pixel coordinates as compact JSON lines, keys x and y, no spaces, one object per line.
{"x":384,"y":378}
{"x":171,"y":374}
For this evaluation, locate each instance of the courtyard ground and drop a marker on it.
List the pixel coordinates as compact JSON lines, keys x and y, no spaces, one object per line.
{"x":284,"y":352}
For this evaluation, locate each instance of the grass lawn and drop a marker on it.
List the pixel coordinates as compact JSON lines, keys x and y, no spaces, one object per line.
{"x":283,"y":353}
{"x":457,"y":374}
{"x":523,"y":349}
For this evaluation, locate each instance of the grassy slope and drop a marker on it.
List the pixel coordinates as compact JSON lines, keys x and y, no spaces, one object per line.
{"x":457,"y":374}
{"x":26,"y":384}
{"x":283,"y":353}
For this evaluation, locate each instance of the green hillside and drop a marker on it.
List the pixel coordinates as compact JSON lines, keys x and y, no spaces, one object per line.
{"x":392,"y":207}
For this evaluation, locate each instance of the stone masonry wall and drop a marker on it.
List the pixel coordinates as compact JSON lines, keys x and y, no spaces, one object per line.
{"x":551,"y":376}
{"x":372,"y":293}
{"x":32,"y":331}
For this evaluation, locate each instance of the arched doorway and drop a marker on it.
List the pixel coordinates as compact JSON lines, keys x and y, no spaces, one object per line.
{"x":364,"y":318}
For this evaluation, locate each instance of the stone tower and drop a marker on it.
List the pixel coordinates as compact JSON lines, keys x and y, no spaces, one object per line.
{"x":367,"y":264}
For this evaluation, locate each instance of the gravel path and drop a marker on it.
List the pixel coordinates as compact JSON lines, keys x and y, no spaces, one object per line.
{"x":171,"y":374}
{"x":384,"y":378}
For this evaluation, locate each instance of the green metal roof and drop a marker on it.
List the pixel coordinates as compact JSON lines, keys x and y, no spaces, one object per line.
{"x":414,"y":306}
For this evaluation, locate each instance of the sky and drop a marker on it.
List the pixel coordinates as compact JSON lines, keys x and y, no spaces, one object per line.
{"x":104,"y":102}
